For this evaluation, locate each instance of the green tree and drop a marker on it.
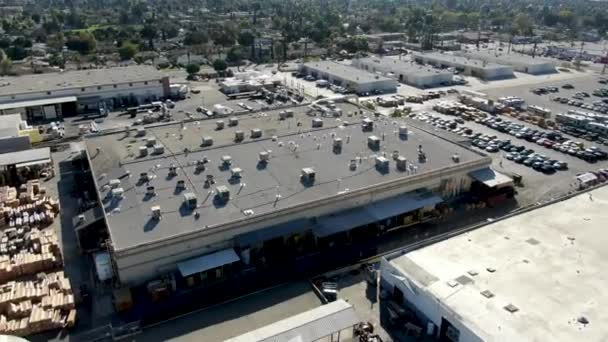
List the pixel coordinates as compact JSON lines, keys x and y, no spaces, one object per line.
{"x":235,"y":54}
{"x":523,"y":24}
{"x":192,"y":69}
{"x":149,"y":32}
{"x":6,"y":66}
{"x":83,"y":42}
{"x":195,"y":38}
{"x":127,"y":51}
{"x":220,"y":65}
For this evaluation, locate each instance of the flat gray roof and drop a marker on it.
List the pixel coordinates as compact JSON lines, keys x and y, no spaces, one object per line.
{"x":27,"y":156}
{"x":42,"y":102}
{"x":515,"y":59}
{"x":77,"y":79}
{"x":129,"y":219}
{"x":396,"y":65}
{"x":346,"y":72}
{"x":454,"y":59}
{"x":548,"y":262}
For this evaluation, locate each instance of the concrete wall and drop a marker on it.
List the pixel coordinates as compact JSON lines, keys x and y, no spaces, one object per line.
{"x":140,"y":90}
{"x":428,"y":308}
{"x":144,"y":262}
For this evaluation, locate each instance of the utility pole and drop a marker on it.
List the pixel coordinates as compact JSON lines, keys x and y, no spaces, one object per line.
{"x":605,"y":62}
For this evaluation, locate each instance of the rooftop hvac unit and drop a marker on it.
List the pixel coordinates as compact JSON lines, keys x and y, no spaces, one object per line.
{"x":308,"y":175}
{"x":381,"y":163}
{"x":256,"y":133}
{"x":226,"y":160}
{"x":317,"y":123}
{"x":156,"y":212}
{"x":395,"y":155}
{"x":209,"y":180}
{"x":172,"y":170}
{"x":144,"y":177}
{"x":150,"y":141}
{"x":337,"y":144}
{"x":236,"y":172}
{"x":233,"y":121}
{"x":181,"y":184}
{"x":222,"y":193}
{"x":373,"y":142}
{"x":200,"y":165}
{"x":118,"y":192}
{"x":401,"y":163}
{"x":367,"y":124}
{"x":239,"y":135}
{"x":403,"y":130}
{"x":114,"y":183}
{"x":150,"y":191}
{"x":143,"y":151}
{"x":352,"y":164}
{"x":207,"y":141}
{"x":264,"y":156}
{"x":219,"y":124}
{"x":159,"y":149}
{"x":141,"y":131}
{"x":190,"y":200}
{"x":456,"y":158}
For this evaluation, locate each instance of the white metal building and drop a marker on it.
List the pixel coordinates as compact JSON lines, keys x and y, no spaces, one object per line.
{"x":466,"y":65}
{"x":536,"y":276}
{"x":53,"y":95}
{"x":349,"y":77}
{"x":331,"y":322}
{"x":407,"y":72}
{"x":519,"y":62}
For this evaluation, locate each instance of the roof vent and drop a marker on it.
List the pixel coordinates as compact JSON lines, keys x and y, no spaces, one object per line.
{"x":239,"y":136}
{"x":219,"y":124}
{"x":200,"y":165}
{"x":256,"y":133}
{"x":181,"y":184}
{"x":150,"y":141}
{"x":337,"y":145}
{"x":511,"y":308}
{"x":317,"y":123}
{"x":207,"y":141}
{"x":308,"y":175}
{"x":233,"y":121}
{"x":395,"y":155}
{"x":159,"y":149}
{"x":456,"y":158}
{"x":487,"y":293}
{"x":264,"y":156}
{"x":143,"y":151}
{"x":114,"y":183}
{"x":144,"y":177}
{"x":150,"y":191}
{"x":352,"y":164}
{"x":141,"y":132}
{"x":156,"y":214}
{"x":403,"y":131}
{"x":190,"y":200}
{"x":172,"y":170}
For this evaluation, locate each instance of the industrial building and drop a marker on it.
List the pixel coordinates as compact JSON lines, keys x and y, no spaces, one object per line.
{"x":249,"y":81}
{"x":468,"y":66}
{"x":406,"y":72}
{"x":201,"y":199}
{"x":519,"y":62}
{"x":535,"y":276}
{"x":332,"y":322}
{"x":55,"y":95}
{"x":349,"y":77}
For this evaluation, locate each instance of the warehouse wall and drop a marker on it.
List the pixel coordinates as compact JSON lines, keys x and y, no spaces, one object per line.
{"x":148,"y":261}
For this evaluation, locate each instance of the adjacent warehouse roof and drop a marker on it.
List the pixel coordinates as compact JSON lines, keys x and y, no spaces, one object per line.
{"x":77,"y":79}
{"x":514,"y":59}
{"x":262,"y":189}
{"x":460,"y":60}
{"x":394,"y":65}
{"x":27,"y":157}
{"x":312,"y":325}
{"x":345,"y":72}
{"x":546,"y":265}
{"x":32,"y":103}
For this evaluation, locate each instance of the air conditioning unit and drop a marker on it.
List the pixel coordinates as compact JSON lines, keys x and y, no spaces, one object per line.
{"x":381,"y":163}
{"x":150,"y":191}
{"x":352,"y":164}
{"x":219,"y":124}
{"x":222,"y":193}
{"x":256,"y":133}
{"x":144,"y":177}
{"x":181,"y":184}
{"x":373,"y":142}
{"x":403,"y":131}
{"x":239,"y":136}
{"x":308,"y":175}
{"x":236,"y":172}
{"x":395,"y":155}
{"x":114,"y":183}
{"x":190,"y":200}
{"x":233,"y":121}
{"x":337,"y":144}
{"x":143,"y":151}
{"x":317,"y":123}
{"x":200,"y":165}
{"x":367,"y":124}
{"x":159,"y":149}
{"x":118,"y":192}
{"x":401,"y":163}
{"x":156,"y":214}
{"x":226,"y":160}
{"x":207,"y":141}
{"x":172,"y":170}
{"x":141,"y":132}
{"x":150,"y":141}
{"x":264,"y":156}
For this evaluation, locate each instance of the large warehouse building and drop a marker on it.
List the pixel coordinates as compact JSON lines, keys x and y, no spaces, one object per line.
{"x":537,"y":276}
{"x":406,"y":72}
{"x":349,"y":77}
{"x":55,"y":95}
{"x":187,"y":199}
{"x":519,"y":62}
{"x":466,"y":65}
